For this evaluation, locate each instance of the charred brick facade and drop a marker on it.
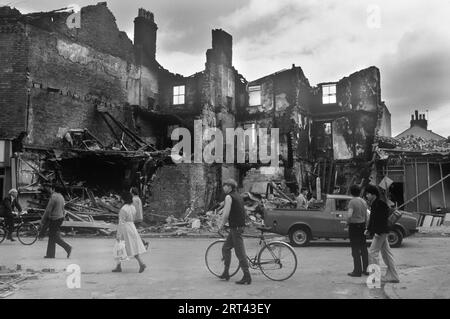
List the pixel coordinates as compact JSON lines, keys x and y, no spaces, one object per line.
{"x":326,"y":131}
{"x":54,"y":78}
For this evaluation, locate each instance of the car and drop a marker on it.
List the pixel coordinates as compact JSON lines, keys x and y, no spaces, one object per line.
{"x":328,"y":220}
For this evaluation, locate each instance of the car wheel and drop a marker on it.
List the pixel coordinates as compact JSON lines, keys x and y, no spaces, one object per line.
{"x":395,"y":237}
{"x":299,"y":236}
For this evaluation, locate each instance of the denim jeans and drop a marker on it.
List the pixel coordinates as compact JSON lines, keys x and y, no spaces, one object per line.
{"x":234,"y":240}
{"x":380,"y":243}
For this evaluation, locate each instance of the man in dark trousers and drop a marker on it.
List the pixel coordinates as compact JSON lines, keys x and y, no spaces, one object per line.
{"x":6,"y":211}
{"x":234,"y":214}
{"x":54,"y":215}
{"x":378,"y":228}
{"x":357,"y":221}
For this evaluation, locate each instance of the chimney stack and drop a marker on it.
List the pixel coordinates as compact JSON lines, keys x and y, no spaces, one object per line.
{"x":419,"y":120}
{"x":145,"y":33}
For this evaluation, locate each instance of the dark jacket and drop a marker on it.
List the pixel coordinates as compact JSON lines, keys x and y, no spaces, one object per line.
{"x":7,"y":206}
{"x":378,"y":222}
{"x":237,"y":211}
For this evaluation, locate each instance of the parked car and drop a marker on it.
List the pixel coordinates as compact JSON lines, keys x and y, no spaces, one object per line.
{"x":329,"y":220}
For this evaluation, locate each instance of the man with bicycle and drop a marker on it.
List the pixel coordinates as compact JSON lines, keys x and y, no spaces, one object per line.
{"x":7,"y":210}
{"x":234,"y":214}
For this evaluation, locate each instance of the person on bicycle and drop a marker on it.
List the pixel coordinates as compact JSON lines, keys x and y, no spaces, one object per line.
{"x":234,"y":214}
{"x":7,"y":208}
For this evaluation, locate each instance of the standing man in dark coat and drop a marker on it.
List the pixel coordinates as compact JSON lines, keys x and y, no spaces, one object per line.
{"x":54,"y":215}
{"x":234,"y":214}
{"x":6,"y":210}
{"x":378,"y":228}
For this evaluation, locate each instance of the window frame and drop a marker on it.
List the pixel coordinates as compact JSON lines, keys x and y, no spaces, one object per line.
{"x":176,"y":95}
{"x":327,"y":96}
{"x":252,"y":89}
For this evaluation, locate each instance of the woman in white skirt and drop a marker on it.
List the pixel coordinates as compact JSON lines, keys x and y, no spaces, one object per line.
{"x":127,"y":231}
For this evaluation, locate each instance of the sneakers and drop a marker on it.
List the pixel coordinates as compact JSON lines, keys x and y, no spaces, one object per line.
{"x":142,"y":268}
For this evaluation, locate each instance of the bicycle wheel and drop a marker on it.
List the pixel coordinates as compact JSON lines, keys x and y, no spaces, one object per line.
{"x":214,"y":259}
{"x":277,"y":261}
{"x":2,"y":234}
{"x":27,"y":233}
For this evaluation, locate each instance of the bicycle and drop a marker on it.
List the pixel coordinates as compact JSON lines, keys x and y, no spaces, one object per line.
{"x":26,"y":232}
{"x":276,"y":260}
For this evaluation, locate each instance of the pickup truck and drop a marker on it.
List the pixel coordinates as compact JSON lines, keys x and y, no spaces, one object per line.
{"x":329,"y":220}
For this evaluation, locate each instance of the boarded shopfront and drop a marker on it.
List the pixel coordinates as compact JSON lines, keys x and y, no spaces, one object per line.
{"x":417,"y":179}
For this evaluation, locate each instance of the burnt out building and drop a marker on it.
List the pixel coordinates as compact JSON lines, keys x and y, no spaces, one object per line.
{"x":77,"y":94}
{"x":326,"y":131}
{"x":66,"y":74}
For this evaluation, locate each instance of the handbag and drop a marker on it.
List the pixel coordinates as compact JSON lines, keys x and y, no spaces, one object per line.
{"x":119,"y":251}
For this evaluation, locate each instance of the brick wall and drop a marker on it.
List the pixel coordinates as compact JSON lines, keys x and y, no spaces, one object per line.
{"x":176,"y":186}
{"x":51,"y":111}
{"x":80,"y":77}
{"x":13,"y":78}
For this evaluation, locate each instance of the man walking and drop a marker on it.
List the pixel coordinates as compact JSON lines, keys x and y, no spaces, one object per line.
{"x":234,"y":214}
{"x":6,"y":211}
{"x":54,"y":215}
{"x":378,"y":227}
{"x":357,"y":220}
{"x":137,"y":203}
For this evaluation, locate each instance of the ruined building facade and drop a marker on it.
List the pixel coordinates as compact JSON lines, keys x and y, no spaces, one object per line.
{"x":326,"y":131}
{"x":55,"y":78}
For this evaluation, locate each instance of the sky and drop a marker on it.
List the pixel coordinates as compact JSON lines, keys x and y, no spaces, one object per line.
{"x":408,"y":40}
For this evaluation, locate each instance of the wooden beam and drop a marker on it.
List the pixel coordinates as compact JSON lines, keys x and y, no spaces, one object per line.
{"x":423,"y":192}
{"x":443,"y":187}
{"x":34,"y":169}
{"x":417,"y":186}
{"x":428,"y":184}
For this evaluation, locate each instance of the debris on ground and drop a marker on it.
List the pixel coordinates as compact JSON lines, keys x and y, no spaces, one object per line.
{"x":10,"y":278}
{"x":436,"y":230}
{"x":209,"y":221}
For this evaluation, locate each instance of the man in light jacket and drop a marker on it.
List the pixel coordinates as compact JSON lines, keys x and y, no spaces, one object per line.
{"x":54,"y":215}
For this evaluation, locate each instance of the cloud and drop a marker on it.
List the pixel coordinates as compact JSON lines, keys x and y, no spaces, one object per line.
{"x":417,"y":76}
{"x":329,"y":39}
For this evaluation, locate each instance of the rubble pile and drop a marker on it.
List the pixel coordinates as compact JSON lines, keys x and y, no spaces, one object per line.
{"x":412,"y":143}
{"x":93,"y":214}
{"x":210,"y":220}
{"x":10,"y":278}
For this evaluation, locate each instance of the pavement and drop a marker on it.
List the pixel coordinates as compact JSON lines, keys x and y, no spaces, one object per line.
{"x":428,"y":282}
{"x":176,"y":269}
